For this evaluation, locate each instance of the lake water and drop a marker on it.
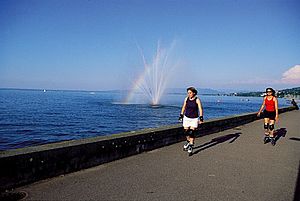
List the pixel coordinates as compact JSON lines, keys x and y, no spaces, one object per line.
{"x":34,"y":117}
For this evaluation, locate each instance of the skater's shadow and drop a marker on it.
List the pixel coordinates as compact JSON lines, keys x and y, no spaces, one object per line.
{"x":294,"y":138}
{"x":215,"y":141}
{"x":280,"y":133}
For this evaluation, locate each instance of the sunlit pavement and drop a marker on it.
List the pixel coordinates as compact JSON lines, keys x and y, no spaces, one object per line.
{"x":231,"y":165}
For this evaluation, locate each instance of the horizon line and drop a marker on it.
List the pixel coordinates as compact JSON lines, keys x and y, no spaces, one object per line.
{"x":86,"y":90}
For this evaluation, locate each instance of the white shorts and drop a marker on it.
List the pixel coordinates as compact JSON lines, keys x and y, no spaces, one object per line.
{"x":190,"y":122}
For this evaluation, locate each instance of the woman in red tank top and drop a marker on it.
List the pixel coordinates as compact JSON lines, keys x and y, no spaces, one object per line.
{"x":270,"y":115}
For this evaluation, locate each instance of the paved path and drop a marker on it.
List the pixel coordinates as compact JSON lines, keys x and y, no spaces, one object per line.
{"x":230,"y":165}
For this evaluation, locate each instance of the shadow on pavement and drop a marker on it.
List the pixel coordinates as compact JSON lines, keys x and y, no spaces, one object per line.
{"x":294,"y":138}
{"x":280,"y":133}
{"x":215,"y":141}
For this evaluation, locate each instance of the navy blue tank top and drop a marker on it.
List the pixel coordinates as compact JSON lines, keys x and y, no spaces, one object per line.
{"x":191,"y":108}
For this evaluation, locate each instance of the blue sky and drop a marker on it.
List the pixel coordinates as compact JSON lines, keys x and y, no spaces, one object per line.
{"x":92,"y":44}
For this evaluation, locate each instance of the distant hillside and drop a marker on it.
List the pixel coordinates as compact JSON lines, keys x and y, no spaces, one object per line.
{"x":255,"y":94}
{"x":293,"y":92}
{"x":289,"y":92}
{"x":203,"y":91}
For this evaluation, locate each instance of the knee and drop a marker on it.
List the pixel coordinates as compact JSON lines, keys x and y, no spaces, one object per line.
{"x":266,"y":126}
{"x":271,"y":127}
{"x":192,"y":133}
{"x":186,"y":132}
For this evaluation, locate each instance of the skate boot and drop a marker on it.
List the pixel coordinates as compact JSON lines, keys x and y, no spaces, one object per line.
{"x":273,"y":141}
{"x":266,"y":139}
{"x":190,"y":149}
{"x":186,"y":146}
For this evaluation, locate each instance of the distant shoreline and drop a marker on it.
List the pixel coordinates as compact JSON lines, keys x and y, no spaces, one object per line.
{"x":285,"y":93}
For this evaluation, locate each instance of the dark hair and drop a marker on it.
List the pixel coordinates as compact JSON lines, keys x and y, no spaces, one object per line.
{"x":273,"y":91}
{"x":192,"y":89}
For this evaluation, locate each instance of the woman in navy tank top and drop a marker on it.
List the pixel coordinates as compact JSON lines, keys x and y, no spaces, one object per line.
{"x":191,"y":115}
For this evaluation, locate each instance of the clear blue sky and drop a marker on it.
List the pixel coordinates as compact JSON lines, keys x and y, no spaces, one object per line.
{"x":92,"y":44}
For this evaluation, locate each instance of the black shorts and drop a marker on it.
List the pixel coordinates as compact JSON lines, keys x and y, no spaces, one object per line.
{"x":269,"y":114}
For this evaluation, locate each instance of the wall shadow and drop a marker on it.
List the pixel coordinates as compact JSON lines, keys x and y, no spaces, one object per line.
{"x":218,"y":140}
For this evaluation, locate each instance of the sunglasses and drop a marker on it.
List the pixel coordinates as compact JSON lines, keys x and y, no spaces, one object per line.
{"x":269,"y":91}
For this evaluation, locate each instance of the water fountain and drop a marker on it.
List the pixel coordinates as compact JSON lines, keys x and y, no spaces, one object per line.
{"x":152,"y":82}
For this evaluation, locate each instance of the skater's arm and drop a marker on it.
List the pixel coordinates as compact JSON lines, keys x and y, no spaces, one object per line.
{"x":183,"y":107}
{"x":276,"y":108}
{"x":262,"y":107}
{"x":200,"y":109}
{"x":182,"y":110}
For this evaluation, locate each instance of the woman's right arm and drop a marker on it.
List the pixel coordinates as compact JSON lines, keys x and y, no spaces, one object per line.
{"x":182,"y":111}
{"x":262,"y":107}
{"x":183,"y":107}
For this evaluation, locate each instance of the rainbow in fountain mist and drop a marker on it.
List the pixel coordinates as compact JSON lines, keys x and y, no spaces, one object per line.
{"x":152,"y":82}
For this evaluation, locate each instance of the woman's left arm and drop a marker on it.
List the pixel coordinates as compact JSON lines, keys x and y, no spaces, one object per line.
{"x":276,"y":108}
{"x":200,"y":109}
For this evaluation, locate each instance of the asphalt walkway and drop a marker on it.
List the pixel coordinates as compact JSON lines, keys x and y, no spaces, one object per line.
{"x":229,"y":165}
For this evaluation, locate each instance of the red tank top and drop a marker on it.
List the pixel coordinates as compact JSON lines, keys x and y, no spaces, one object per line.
{"x":270,"y":105}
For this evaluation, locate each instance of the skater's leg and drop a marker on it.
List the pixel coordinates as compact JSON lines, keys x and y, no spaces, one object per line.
{"x":192,"y":140}
{"x":272,"y":122}
{"x":266,"y":128}
{"x":186,"y":133}
{"x":266,"y":125}
{"x":192,"y":135}
{"x":273,"y":141}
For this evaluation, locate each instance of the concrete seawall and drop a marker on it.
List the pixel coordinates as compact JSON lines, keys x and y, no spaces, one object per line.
{"x":22,"y":166}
